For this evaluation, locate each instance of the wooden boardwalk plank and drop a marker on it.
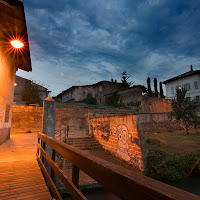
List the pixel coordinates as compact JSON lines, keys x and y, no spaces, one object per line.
{"x":20,"y":174}
{"x":22,"y":180}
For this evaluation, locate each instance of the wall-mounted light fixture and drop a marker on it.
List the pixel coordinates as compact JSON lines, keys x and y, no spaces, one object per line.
{"x":17,"y":44}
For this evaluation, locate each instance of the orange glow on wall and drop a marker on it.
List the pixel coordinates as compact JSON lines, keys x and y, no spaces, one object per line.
{"x":17,"y":44}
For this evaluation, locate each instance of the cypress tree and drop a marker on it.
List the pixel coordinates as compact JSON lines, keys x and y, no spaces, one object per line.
{"x":161,"y":91}
{"x":155,"y":87}
{"x":149,"y":87}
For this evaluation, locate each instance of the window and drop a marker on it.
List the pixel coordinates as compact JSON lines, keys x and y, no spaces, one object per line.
{"x":196,"y":85}
{"x":172,"y":90}
{"x":187,"y":86}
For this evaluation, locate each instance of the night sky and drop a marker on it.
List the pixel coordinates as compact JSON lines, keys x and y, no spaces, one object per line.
{"x":79,"y":42}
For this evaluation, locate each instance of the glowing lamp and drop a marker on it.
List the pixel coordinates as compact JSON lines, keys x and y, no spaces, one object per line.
{"x":17,"y":44}
{"x":15,"y":84}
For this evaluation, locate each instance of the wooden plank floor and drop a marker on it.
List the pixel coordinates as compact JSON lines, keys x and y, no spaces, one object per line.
{"x":22,"y":180}
{"x":20,"y":175}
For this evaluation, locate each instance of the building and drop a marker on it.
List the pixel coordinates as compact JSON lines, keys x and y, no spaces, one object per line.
{"x":189,"y":81}
{"x":13,"y":27}
{"x":21,"y":83}
{"x":97,"y":90}
{"x":130,"y":97}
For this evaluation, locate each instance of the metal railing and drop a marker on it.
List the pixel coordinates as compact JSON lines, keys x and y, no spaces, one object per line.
{"x":62,"y":134}
{"x":122,"y":182}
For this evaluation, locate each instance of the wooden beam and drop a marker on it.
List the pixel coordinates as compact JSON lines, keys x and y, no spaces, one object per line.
{"x":73,"y":190}
{"x":122,"y":182}
{"x":49,"y":180}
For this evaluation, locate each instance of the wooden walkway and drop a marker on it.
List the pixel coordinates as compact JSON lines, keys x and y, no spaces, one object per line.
{"x":21,"y":178}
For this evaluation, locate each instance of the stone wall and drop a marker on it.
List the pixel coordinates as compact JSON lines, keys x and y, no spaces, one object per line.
{"x":119,"y":135}
{"x":155,"y":105}
{"x":26,"y":119}
{"x":157,"y":122}
{"x":29,"y":118}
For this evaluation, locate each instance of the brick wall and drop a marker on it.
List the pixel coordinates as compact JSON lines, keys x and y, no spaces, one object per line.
{"x":119,"y":135}
{"x":29,"y":118}
{"x":26,"y":118}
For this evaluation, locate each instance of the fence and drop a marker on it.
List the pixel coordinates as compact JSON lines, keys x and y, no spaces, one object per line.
{"x":122,"y":182}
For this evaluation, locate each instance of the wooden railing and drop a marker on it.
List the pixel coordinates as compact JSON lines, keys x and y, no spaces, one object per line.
{"x":123,"y":183}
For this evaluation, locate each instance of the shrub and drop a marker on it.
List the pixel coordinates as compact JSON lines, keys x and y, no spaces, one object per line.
{"x":113,"y":100}
{"x":89,"y":100}
{"x":171,"y":167}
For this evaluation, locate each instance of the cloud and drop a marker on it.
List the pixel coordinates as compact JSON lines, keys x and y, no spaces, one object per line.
{"x":93,"y":41}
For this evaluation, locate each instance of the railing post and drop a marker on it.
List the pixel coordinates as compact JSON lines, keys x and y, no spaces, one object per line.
{"x":53,"y":158}
{"x":48,"y":128}
{"x":75,"y":175}
{"x":67,"y":131}
{"x":43,"y":146}
{"x":65,"y":135}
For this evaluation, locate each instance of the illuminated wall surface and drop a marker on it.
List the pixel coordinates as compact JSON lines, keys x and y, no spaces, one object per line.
{"x":119,"y":135}
{"x":12,"y":26}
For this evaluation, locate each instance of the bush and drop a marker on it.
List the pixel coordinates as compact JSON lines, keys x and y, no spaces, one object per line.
{"x":113,"y":100}
{"x":171,"y":167}
{"x":89,"y":100}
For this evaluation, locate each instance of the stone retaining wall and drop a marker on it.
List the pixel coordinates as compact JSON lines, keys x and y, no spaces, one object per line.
{"x":119,"y":135}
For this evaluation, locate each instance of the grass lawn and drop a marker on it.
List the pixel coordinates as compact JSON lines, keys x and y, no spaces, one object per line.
{"x":176,"y":141}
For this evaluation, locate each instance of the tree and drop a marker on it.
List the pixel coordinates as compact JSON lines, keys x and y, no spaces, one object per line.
{"x":161,"y":91}
{"x":184,"y":111}
{"x":125,"y":83}
{"x":31,"y":94}
{"x":156,"y":87}
{"x":150,"y":93}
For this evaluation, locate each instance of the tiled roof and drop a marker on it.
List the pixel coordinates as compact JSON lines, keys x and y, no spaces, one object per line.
{"x":190,"y":73}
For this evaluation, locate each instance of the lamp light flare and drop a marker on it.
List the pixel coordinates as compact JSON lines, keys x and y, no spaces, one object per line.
{"x":17,"y":44}
{"x":15,"y":84}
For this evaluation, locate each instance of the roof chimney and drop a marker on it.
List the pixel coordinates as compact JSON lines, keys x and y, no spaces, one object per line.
{"x":191,"y":68}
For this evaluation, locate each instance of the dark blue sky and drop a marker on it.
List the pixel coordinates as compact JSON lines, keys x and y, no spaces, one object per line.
{"x":78,"y":42}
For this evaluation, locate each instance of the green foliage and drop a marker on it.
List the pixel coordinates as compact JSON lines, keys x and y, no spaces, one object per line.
{"x":31,"y":94}
{"x":184,"y":110}
{"x":89,"y":100}
{"x":125,"y":83}
{"x":171,"y":167}
{"x":113,"y":100}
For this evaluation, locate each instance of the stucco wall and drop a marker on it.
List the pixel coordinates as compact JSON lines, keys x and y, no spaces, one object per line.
{"x":180,"y":82}
{"x":12,"y":21}
{"x":7,"y":77}
{"x":119,"y":135}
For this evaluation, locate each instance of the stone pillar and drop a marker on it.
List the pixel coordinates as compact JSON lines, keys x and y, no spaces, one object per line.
{"x":48,"y":126}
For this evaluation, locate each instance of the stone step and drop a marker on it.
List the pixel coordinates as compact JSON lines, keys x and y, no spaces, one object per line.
{"x":84,"y":143}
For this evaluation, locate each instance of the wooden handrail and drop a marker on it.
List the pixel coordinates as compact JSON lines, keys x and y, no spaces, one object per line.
{"x":124,"y":183}
{"x":73,"y":190}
